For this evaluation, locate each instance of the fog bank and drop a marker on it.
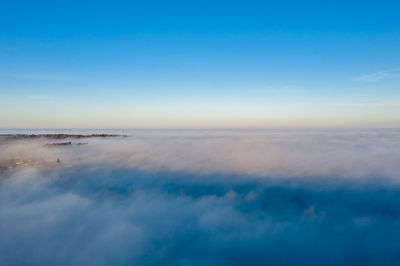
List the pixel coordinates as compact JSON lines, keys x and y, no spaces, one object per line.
{"x":204,"y":198}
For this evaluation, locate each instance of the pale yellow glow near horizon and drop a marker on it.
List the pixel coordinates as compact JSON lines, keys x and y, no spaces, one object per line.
{"x":317,"y":114}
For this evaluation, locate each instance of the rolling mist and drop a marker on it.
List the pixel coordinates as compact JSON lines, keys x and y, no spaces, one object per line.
{"x":290,"y":197}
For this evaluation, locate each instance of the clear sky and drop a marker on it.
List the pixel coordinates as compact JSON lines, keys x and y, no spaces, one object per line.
{"x":199,"y":64}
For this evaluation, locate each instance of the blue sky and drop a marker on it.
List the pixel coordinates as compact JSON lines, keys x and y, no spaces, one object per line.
{"x":200,"y":64}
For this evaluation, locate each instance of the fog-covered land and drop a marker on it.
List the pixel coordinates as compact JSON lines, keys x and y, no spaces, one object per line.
{"x":226,"y":197}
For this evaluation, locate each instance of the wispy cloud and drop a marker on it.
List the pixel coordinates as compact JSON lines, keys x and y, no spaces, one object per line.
{"x":380,"y":75}
{"x":40,"y":97}
{"x":36,"y":77}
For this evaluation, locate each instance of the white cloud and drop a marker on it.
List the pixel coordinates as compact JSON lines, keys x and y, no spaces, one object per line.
{"x":380,"y":75}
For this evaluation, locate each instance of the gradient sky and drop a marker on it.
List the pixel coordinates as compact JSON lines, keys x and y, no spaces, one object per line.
{"x":199,"y":64}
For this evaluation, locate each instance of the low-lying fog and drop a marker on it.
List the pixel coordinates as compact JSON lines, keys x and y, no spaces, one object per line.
{"x":203,"y":198}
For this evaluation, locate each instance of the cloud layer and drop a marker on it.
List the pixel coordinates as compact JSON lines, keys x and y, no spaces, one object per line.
{"x":205,"y":198}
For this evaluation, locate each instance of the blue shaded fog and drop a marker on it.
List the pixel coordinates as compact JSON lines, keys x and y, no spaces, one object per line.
{"x":208,"y":198}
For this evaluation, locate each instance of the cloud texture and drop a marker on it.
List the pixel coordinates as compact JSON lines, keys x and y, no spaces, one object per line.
{"x":380,"y":75}
{"x":205,"y":198}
